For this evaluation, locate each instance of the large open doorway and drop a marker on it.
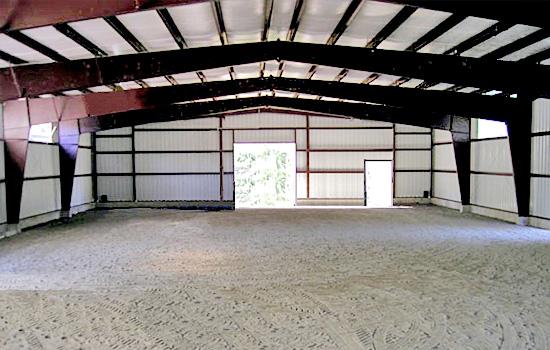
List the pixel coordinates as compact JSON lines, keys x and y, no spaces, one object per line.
{"x":378,"y":183}
{"x":265,"y":175}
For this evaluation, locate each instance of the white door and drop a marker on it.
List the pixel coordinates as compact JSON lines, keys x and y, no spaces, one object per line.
{"x":378,"y":183}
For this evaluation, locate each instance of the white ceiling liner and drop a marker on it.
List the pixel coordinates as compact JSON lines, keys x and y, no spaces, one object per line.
{"x":157,"y":81}
{"x":418,"y":24}
{"x":271,"y":68}
{"x":355,"y":76}
{"x":72,"y":92}
{"x":197,"y":24}
{"x":4,"y":64}
{"x":103,"y":35}
{"x":247,"y":71}
{"x":129,"y":85}
{"x":248,"y":95}
{"x":462,"y":31}
{"x":372,"y":17}
{"x":516,"y":32}
{"x":528,"y":51}
{"x":546,"y":62}
{"x":217,"y":74}
{"x":148,"y":28}
{"x":468,"y":89}
{"x":412,"y":83}
{"x":186,"y":78}
{"x":440,"y":86}
{"x":15,"y":48}
{"x":295,"y":70}
{"x":385,"y":80}
{"x":319,"y":19}
{"x":58,"y":42}
{"x":243,"y":20}
{"x":100,"y":88}
{"x":280,"y":19}
{"x":326,"y":73}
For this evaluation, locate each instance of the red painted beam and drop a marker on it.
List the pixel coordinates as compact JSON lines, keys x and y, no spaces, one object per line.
{"x":23,"y":14}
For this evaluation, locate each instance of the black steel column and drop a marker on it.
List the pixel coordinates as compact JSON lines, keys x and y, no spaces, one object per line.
{"x":460,"y":131}
{"x":519,"y":135}
{"x":69,"y":136}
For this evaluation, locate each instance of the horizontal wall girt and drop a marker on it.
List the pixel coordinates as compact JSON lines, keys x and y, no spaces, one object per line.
{"x":53,"y":109}
{"x":34,"y":80}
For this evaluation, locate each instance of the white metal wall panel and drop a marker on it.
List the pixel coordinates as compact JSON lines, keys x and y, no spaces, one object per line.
{"x":114,"y":144}
{"x":227,"y":140}
{"x":301,"y":161}
{"x":2,"y":164}
{"x":337,"y":186}
{"x":541,"y":155}
{"x":228,"y":187}
{"x":301,"y":139}
{"x":83,"y":161}
{"x":177,"y":163}
{"x":328,"y":122}
{"x":344,"y":160}
{"x":493,"y":191}
{"x":179,"y":187}
{"x":408,"y":185}
{"x":445,"y":185}
{"x":264,"y":136}
{"x":39,"y":197}
{"x":116,"y":188}
{"x":491,"y":156}
{"x":82,"y":190}
{"x":177,"y":140}
{"x":444,"y":157}
{"x":277,"y":120}
{"x":42,"y":160}
{"x":417,"y":160}
{"x":114,"y":163}
{"x":540,"y":193}
{"x":199,"y":123}
{"x":301,"y":185}
{"x":442,"y":136}
{"x":249,"y":120}
{"x":413,"y":141}
{"x":119,"y":131}
{"x":541,"y":115}
{"x":410,"y":128}
{"x":351,"y":139}
{"x":3,"y":217}
{"x":85,"y":140}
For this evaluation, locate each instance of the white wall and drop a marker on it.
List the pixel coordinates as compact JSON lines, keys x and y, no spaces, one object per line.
{"x":540,"y":164}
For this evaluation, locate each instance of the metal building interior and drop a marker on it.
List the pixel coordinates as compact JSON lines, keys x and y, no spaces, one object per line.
{"x":121,"y":124}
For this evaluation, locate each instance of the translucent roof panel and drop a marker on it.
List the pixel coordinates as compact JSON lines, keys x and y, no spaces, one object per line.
{"x":72,"y":92}
{"x":516,"y":32}
{"x":271,"y":68}
{"x":355,"y":76}
{"x":101,"y":88}
{"x":280,"y":19}
{"x":319,"y":19}
{"x":197,"y":24}
{"x":440,"y":86}
{"x":4,"y":64}
{"x":148,"y":28}
{"x":157,"y":81}
{"x":247,"y":71}
{"x":103,"y":35}
{"x":243,"y":20}
{"x":186,"y":78}
{"x":50,"y":37}
{"x":385,"y":80}
{"x":372,"y":17}
{"x":129,"y":85}
{"x":412,"y":83}
{"x":295,"y":70}
{"x":454,"y":36}
{"x":528,"y":51}
{"x":418,"y":24}
{"x":546,"y":62}
{"x":468,"y":89}
{"x":15,"y":48}
{"x":326,"y":73}
{"x":217,"y":74}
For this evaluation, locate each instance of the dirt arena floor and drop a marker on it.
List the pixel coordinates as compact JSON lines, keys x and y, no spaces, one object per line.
{"x":417,"y":278}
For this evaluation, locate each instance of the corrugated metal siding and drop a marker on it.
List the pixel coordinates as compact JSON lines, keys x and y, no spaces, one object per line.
{"x":228,"y":162}
{"x":301,"y":139}
{"x":410,"y":128}
{"x":540,"y":155}
{"x":411,"y":184}
{"x":42,"y":160}
{"x":301,"y":161}
{"x":183,"y":163}
{"x":3,"y":217}
{"x":276,"y":120}
{"x":264,"y":136}
{"x":492,"y":191}
{"x":337,"y":186}
{"x":82,"y":190}
{"x":119,"y":131}
{"x":2,"y":169}
{"x":85,"y":140}
{"x":177,"y":140}
{"x":540,"y":194}
{"x":442,"y":136}
{"x":249,"y":120}
{"x":325,"y":122}
{"x":114,"y":163}
{"x":83,"y":161}
{"x":228,"y":187}
{"x":117,"y":188}
{"x":491,"y":156}
{"x":541,"y":115}
{"x":181,"y":187}
{"x":351,"y":139}
{"x":413,"y":141}
{"x":227,"y":140}
{"x":416,"y":160}
{"x":344,"y":160}
{"x":444,"y":158}
{"x":445,"y":185}
{"x":39,"y":197}
{"x":301,"y":185}
{"x":114,"y":144}
{"x":200,"y":123}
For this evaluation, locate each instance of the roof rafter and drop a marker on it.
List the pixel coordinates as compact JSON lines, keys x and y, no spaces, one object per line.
{"x":35,"y":45}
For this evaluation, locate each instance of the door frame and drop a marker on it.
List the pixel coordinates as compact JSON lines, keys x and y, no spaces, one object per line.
{"x":365,"y":178}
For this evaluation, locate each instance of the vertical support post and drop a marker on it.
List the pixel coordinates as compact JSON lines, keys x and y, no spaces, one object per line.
{"x":393,"y":166}
{"x":460,"y":131}
{"x":69,"y":135}
{"x":519,"y":136}
{"x":307,"y":157}
{"x":16,"y":141}
{"x":431,"y":163}
{"x":134,"y":186}
{"x":94,"y":168}
{"x":220,"y":129}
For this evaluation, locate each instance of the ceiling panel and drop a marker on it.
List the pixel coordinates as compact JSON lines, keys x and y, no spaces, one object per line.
{"x":529,"y":50}
{"x":243,"y":20}
{"x":506,"y":37}
{"x":101,"y":88}
{"x":186,"y":78}
{"x":197,"y":24}
{"x":157,"y":81}
{"x":280,"y":19}
{"x":148,"y":28}
{"x":319,"y":19}
{"x":50,"y":37}
{"x":4,"y":64}
{"x":15,"y":48}
{"x":385,"y":79}
{"x":326,"y":73}
{"x":355,"y":76}
{"x":129,"y":85}
{"x":103,"y":35}
{"x":217,"y":74}
{"x":247,"y":71}
{"x":271,"y":68}
{"x":411,"y":83}
{"x":295,"y":70}
{"x":440,"y":86}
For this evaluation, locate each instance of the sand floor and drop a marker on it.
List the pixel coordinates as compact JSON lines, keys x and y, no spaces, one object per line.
{"x":422,"y":278}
